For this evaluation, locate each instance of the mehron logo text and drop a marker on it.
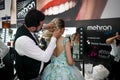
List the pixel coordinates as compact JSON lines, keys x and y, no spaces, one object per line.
{"x":100,"y":28}
{"x":24,"y":11}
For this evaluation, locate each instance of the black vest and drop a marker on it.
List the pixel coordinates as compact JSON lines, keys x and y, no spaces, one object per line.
{"x":26,"y":68}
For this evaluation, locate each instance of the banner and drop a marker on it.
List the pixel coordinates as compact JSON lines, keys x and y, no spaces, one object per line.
{"x":79,"y":9}
{"x":23,"y":6}
{"x":95,"y":33}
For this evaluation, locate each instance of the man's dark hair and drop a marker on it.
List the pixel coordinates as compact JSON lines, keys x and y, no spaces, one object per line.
{"x":33,"y":18}
{"x":118,"y":41}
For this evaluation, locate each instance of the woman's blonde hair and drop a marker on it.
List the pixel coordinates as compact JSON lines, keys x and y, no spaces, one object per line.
{"x":58,"y":23}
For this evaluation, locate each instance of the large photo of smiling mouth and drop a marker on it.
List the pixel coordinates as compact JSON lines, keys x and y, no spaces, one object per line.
{"x":66,"y":9}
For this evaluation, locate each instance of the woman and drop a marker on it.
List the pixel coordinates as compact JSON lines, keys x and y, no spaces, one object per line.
{"x":75,"y":45}
{"x":114,"y":41}
{"x":62,"y":64}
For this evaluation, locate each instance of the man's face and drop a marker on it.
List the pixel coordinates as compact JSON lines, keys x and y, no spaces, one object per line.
{"x":39,"y":27}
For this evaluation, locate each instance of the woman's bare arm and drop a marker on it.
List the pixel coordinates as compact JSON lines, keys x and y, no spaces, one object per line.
{"x":68,"y":53}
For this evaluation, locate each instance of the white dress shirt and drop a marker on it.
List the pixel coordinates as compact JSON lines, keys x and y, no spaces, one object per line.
{"x":115,"y":51}
{"x":25,"y":46}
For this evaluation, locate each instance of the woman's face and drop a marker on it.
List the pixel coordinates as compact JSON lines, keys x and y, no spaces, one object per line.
{"x":118,"y":34}
{"x":50,"y":26}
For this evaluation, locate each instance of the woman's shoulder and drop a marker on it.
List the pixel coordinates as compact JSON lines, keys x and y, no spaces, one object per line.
{"x":65,"y":39}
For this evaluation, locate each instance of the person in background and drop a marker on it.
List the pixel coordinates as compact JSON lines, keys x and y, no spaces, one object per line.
{"x":61,"y":66}
{"x":4,"y":49}
{"x":30,"y":57}
{"x":75,"y":45}
{"x":6,"y":62}
{"x":114,"y":41}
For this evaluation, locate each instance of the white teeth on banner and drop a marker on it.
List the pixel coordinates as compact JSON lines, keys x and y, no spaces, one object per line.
{"x":66,"y":6}
{"x":60,"y":8}
{"x":55,"y":10}
{"x":50,"y":11}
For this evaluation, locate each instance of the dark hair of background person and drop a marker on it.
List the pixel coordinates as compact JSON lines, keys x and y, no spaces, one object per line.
{"x":33,"y":18}
{"x":118,"y":41}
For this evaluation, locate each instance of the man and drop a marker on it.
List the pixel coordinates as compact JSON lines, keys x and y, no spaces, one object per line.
{"x":30,"y":57}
